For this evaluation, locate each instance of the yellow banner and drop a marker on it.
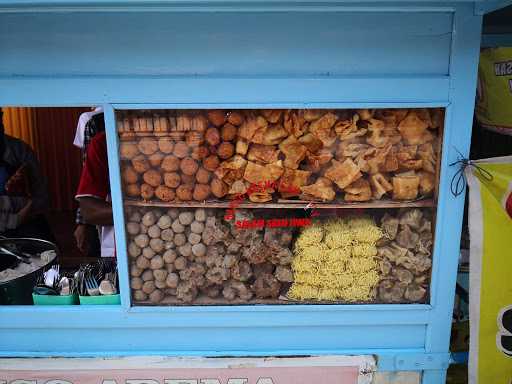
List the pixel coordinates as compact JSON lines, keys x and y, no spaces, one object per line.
{"x":490,"y":224}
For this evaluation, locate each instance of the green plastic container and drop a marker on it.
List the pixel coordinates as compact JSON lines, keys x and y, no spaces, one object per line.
{"x":100,"y":300}
{"x":54,"y":300}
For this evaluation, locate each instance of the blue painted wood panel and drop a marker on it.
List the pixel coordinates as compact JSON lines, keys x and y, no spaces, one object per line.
{"x":224,"y":44}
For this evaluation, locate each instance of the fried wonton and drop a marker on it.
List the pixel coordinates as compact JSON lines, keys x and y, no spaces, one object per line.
{"x":427,"y":183}
{"x":293,"y":151}
{"x":259,"y":174}
{"x":322,"y":189}
{"x":322,"y":128}
{"x":380,"y":185}
{"x":405,"y":186}
{"x":351,"y":148}
{"x":272,"y":115}
{"x":260,"y":197}
{"x":294,"y":122}
{"x":377,"y":138}
{"x":414,"y":130}
{"x":271,"y":135}
{"x":427,"y":154}
{"x":238,"y":188}
{"x":343,"y":174}
{"x":348,"y":129}
{"x":316,"y":161}
{"x":377,"y":162}
{"x":291,"y":182}
{"x":251,"y":125}
{"x":311,"y":142}
{"x":366,"y":114}
{"x":313,"y":114}
{"x":263,"y":153}
{"x":232,"y":169}
{"x":358,"y":191}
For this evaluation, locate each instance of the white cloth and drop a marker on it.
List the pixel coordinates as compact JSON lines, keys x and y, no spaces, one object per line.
{"x":80,"y":128}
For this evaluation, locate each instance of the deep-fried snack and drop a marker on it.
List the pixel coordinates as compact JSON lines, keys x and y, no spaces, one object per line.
{"x":258,"y":174}
{"x":322,"y":129}
{"x":152,"y":177}
{"x":376,"y":163}
{"x":263,"y":153}
{"x":166,"y":145}
{"x":293,"y":151}
{"x":147,"y":192}
{"x":359,"y":190}
{"x":211,"y":163}
{"x":199,"y":153}
{"x":260,"y":196}
{"x":172,"y":179}
{"x":348,"y":129}
{"x":311,"y":142}
{"x":164,"y":193}
{"x":181,"y":149}
{"x":313,"y":114}
{"x":129,"y":175}
{"x":203,"y":176}
{"x":241,"y":147}
{"x":170,"y":163}
{"x":183,"y":122}
{"x":292,"y":180}
{"x":427,"y":154}
{"x":128,"y":150}
{"x":235,"y":118}
{"x":427,"y":183}
{"x":232,"y":169}
{"x":228,"y":132}
{"x":238,"y":188}
{"x":140,"y":163}
{"x":212,"y":136}
{"x":413,"y":129}
{"x":199,"y":123}
{"x":132,"y":190}
{"x":343,"y":173}
{"x":217,"y":117}
{"x":156,"y":159}
{"x":380,"y":185}
{"x":377,"y":137}
{"x":194,"y":138}
{"x":188,"y":179}
{"x":405,"y":186}
{"x":322,"y":189}
{"x":251,"y":125}
{"x":184,"y":192}
{"x":219,"y":188}
{"x":225,"y":150}
{"x":272,"y":115}
{"x":315,"y":162}
{"x":201,"y":192}
{"x":271,"y":135}
{"x":148,"y":146}
{"x":188,"y":166}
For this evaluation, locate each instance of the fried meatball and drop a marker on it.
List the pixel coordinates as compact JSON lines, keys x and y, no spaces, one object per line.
{"x":189,"y":166}
{"x":235,"y":118}
{"x":203,"y":176}
{"x":211,"y":163}
{"x":140,"y":163}
{"x":153,"y":178}
{"x":201,"y":192}
{"x":212,"y":136}
{"x":217,"y":117}
{"x":148,"y":146}
{"x":184,"y":192}
{"x":228,"y":132}
{"x":181,"y":149}
{"x":194,"y":138}
{"x":129,"y":175}
{"x":156,"y":159}
{"x":199,"y":153}
{"x":170,"y":163}
{"x":164,"y":193}
{"x":172,"y":179}
{"x":166,"y":145}
{"x":219,"y":188}
{"x":147,"y":192}
{"x":128,"y":150}
{"x":132,"y":190}
{"x":225,"y":150}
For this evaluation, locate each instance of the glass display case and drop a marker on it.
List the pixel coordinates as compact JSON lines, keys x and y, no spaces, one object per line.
{"x":279,"y":206}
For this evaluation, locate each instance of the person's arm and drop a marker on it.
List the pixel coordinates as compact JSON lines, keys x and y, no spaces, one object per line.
{"x":96,"y":211}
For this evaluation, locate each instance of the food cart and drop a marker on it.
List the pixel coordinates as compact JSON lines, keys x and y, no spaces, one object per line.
{"x":276,"y":92}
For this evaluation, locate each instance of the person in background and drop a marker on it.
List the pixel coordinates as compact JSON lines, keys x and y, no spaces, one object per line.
{"x":93,"y":193}
{"x":23,"y":191}
{"x":89,"y":124}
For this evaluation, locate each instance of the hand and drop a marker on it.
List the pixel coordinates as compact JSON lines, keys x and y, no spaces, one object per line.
{"x":17,"y":185}
{"x":82,"y":238}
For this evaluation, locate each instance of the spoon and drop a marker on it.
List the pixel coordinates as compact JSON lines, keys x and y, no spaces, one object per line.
{"x":23,"y":259}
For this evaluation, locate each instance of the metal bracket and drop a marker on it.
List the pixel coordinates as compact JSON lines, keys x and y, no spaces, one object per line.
{"x":422,"y":361}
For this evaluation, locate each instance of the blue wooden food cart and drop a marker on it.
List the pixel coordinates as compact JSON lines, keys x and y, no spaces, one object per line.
{"x":169,"y":61}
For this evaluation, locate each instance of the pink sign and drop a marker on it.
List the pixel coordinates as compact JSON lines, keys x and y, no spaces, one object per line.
{"x":234,"y":371}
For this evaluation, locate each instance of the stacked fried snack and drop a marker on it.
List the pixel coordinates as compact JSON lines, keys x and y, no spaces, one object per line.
{"x":310,"y":154}
{"x":405,"y":253}
{"x":335,"y":261}
{"x":179,"y":255}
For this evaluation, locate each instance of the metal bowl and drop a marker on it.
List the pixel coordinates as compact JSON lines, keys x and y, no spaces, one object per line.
{"x":18,"y":291}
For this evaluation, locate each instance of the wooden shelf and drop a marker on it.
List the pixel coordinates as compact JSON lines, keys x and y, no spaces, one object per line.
{"x":286,"y":204}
